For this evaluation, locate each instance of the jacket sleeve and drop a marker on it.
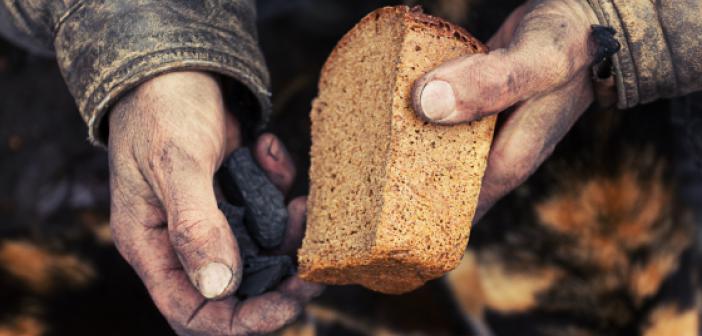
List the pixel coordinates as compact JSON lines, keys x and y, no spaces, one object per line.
{"x":106,"y":47}
{"x":661,"y":47}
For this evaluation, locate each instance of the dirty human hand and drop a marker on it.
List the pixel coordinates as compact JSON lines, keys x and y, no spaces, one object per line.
{"x":166,"y":140}
{"x":539,"y":64}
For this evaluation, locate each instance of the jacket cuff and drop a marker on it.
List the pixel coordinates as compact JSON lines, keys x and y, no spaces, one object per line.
{"x":104,"y":50}
{"x":644,"y":66}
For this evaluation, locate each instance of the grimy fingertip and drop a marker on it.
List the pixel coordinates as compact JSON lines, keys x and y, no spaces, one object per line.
{"x":275,"y":161}
{"x":300,"y":289}
{"x":435,"y":101}
{"x":213,"y":279}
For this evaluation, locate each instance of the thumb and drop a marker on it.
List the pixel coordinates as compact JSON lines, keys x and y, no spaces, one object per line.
{"x":199,"y":232}
{"x":549,"y":47}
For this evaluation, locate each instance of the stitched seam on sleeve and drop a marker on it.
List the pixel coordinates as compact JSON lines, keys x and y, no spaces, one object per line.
{"x":77,"y":5}
{"x":628,"y":56}
{"x":186,"y":54}
{"x":605,"y":18}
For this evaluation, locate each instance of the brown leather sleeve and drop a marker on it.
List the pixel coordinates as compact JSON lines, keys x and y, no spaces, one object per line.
{"x":106,"y":47}
{"x":661,"y":47}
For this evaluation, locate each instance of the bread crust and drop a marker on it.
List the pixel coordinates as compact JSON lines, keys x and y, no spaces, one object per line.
{"x":411,"y":15}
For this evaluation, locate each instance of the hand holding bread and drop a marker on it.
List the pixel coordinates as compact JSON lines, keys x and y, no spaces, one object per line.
{"x":539,"y":65}
{"x":392,"y":196}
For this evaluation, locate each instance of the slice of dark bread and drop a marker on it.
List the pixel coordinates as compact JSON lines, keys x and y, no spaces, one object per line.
{"x":392,"y":197}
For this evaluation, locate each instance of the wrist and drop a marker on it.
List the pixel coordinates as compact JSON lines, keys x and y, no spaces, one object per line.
{"x":184,"y":109}
{"x":171,"y":100}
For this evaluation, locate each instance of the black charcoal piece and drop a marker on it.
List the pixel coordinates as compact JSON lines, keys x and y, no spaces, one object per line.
{"x":235,"y":218}
{"x":263,"y":273}
{"x":266,"y":214}
{"x":605,"y":42}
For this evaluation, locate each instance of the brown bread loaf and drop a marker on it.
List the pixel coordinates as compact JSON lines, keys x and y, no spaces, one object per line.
{"x":391,"y":197}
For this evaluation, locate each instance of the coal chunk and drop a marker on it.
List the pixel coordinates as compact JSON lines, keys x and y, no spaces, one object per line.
{"x":259,"y":224}
{"x":235,"y":218}
{"x":606,"y":44}
{"x":266,"y":214}
{"x":263,"y":273}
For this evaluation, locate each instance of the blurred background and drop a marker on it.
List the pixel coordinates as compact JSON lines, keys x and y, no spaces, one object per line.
{"x":600,"y":241}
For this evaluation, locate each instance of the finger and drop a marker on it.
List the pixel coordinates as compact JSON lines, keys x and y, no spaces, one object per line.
{"x":549,"y":48}
{"x":295,"y":230}
{"x":264,"y":314}
{"x":142,"y":239}
{"x":148,"y":250}
{"x":528,"y":137}
{"x":301,"y":290}
{"x":275,"y":160}
{"x":258,"y":315}
{"x":232,"y":132}
{"x":270,"y":311}
{"x":198,"y":230}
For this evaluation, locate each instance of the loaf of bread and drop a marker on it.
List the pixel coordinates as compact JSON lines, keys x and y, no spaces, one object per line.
{"x":392,"y":197}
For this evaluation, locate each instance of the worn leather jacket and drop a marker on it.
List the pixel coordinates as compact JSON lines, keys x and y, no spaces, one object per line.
{"x":106,"y":47}
{"x":661,"y":47}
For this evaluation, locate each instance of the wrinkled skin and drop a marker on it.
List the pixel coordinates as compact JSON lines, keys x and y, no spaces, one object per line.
{"x":539,"y":64}
{"x":167,"y":138}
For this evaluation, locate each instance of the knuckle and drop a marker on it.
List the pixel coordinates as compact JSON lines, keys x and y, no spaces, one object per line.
{"x":172,"y":154}
{"x":193,"y":233}
{"x":553,"y":48}
{"x":499,"y":81}
{"x":186,"y":234}
{"x":267,"y":314}
{"x":512,"y":168}
{"x":559,"y":65}
{"x":179,"y":322}
{"x":495,"y":86}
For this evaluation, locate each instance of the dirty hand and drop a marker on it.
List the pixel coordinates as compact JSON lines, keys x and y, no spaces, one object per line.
{"x":539,"y":63}
{"x":167,"y":138}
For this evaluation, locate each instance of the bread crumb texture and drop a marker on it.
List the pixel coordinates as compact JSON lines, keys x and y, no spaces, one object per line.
{"x":391,"y":196}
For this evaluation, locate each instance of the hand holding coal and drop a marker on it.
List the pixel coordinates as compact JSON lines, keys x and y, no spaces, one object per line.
{"x":260,"y":224}
{"x":167,"y":138}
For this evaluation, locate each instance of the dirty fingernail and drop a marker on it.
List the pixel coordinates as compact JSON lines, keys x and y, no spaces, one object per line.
{"x":438,"y":100}
{"x":213,"y":279}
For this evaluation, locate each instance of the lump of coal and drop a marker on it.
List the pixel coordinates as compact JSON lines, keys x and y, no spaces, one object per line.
{"x":235,"y":217}
{"x":258,"y":225}
{"x":266,"y":214}
{"x":607,"y":45}
{"x":263,"y":273}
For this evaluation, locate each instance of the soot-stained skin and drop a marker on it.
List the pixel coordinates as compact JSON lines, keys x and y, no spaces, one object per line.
{"x":266,"y":214}
{"x":257,"y":225}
